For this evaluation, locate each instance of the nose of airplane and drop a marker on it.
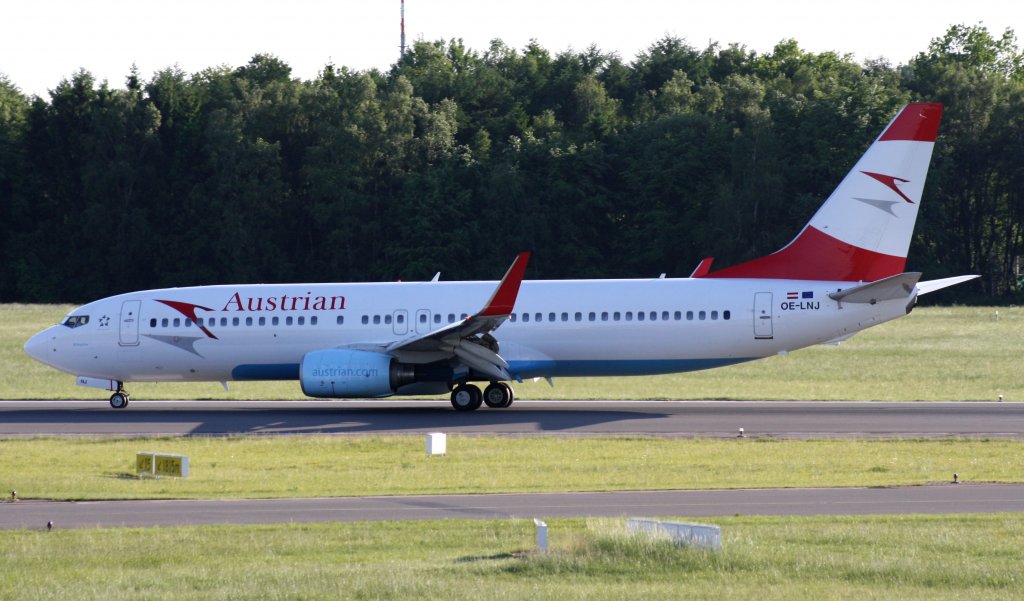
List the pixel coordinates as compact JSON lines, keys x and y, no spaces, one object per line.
{"x":40,"y":346}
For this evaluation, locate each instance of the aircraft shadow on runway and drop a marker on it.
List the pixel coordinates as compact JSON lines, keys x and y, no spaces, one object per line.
{"x":332,"y":420}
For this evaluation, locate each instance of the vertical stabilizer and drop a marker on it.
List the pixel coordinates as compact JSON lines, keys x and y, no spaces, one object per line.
{"x":862,"y":232}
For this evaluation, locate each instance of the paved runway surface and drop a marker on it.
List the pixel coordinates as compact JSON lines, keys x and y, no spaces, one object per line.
{"x":964,"y":498}
{"x":657,"y":418}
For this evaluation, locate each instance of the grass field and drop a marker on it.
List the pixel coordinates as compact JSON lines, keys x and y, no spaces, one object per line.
{"x":958,"y":353}
{"x":913,"y":557}
{"x":311,"y":466}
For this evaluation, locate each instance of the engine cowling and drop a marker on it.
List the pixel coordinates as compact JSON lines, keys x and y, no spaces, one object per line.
{"x":346,"y":373}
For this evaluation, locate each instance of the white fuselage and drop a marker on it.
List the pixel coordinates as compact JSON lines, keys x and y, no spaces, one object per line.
{"x":558,"y":328}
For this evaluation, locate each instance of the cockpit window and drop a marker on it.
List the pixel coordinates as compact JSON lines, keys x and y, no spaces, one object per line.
{"x":74,"y":321}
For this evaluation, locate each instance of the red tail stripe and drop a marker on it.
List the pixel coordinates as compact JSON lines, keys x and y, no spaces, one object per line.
{"x":918,"y":122}
{"x":815,"y":255}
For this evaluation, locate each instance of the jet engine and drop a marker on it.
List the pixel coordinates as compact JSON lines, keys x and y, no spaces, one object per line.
{"x":352,"y":374}
{"x":345,"y":373}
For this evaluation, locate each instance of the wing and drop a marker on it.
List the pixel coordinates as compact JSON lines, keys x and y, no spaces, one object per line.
{"x":469,"y":340}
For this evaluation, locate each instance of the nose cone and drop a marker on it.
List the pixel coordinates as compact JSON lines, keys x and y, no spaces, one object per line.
{"x":40,"y":347}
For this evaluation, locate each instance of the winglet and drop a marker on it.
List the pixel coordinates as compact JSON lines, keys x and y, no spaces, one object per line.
{"x":703,"y":268}
{"x":504,"y":297}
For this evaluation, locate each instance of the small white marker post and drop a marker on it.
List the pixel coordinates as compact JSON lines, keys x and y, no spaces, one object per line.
{"x":437,"y":444}
{"x":542,"y":535}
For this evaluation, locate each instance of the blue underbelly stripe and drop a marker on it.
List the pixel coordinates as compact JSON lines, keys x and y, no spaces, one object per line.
{"x":530,"y":369}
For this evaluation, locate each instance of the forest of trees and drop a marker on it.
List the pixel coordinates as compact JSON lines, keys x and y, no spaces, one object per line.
{"x":457,"y":159}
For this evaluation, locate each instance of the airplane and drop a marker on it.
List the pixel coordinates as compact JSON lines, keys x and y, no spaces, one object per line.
{"x":843,"y":272}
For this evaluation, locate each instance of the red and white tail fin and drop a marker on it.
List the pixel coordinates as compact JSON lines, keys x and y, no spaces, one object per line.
{"x":863,"y":230}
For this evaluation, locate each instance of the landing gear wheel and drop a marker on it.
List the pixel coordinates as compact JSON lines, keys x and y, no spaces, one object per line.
{"x":466,"y":397}
{"x":498,"y":395}
{"x":119,"y":400}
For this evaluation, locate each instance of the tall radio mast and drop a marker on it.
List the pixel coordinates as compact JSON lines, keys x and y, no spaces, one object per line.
{"x":402,"y":47}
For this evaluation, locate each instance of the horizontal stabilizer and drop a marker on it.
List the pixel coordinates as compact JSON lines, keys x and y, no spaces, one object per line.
{"x":933,"y":285}
{"x":890,"y":288}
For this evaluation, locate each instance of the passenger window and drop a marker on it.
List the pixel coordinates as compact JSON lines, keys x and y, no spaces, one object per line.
{"x":263,"y":321}
{"x":234,"y":321}
{"x":615,"y":316}
{"x":288,"y":320}
{"x":714,"y":315}
{"x":248,"y":321}
{"x":726,"y":315}
{"x":387,"y":320}
{"x":689,"y":316}
{"x":578,"y":316}
{"x":437,"y":318}
{"x":423,"y":318}
{"x":451,"y":318}
{"x":677,"y":315}
{"x":177,"y":322}
{"x":400,"y":318}
{"x":604,"y":316}
{"x":302,"y":320}
{"x":538,"y":317}
{"x":223,"y":322}
{"x":664,"y":315}
{"x":512,"y":318}
{"x":654,"y":315}
{"x":591,"y":316}
{"x":629,"y":316}
{"x":164,"y":322}
{"x":341,"y":319}
{"x":366,"y":319}
{"x":464,"y":316}
{"x":312,"y":320}
{"x":551,"y":317}
{"x":275,"y":320}
{"x":188,"y":323}
{"x":701,"y":315}
{"x":639,"y":315}
{"x":152,"y":323}
{"x":526,"y":317}
{"x":376,"y":320}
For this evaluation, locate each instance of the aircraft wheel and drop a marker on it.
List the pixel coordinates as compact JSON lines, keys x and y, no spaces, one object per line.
{"x":498,"y":395}
{"x":466,"y":397}
{"x":119,"y":400}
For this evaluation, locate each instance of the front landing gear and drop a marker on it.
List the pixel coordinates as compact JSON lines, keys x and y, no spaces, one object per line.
{"x":119,"y":400}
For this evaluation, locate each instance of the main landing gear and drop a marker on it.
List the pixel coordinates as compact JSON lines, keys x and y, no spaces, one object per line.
{"x":467,"y":397}
{"x":119,"y":400}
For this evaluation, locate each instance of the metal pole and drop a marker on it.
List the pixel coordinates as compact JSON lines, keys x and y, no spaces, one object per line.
{"x":403,"y":31}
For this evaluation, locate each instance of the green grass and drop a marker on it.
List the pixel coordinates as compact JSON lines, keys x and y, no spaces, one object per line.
{"x":310,"y":466}
{"x":879,"y":557}
{"x":934,"y":354}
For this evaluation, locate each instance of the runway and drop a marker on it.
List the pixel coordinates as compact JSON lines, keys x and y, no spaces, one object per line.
{"x":708,"y":419}
{"x":964,"y":498}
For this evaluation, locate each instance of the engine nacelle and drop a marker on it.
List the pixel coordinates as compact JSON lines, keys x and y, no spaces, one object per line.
{"x":345,"y":373}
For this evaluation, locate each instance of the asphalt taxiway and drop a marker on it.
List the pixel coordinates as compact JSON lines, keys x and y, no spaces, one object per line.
{"x":934,"y":499}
